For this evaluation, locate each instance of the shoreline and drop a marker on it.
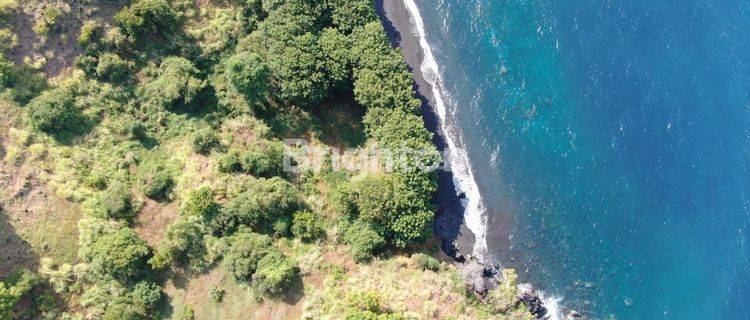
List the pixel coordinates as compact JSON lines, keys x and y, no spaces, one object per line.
{"x":457,"y":239}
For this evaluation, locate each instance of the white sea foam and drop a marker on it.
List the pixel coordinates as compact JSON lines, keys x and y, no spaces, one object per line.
{"x":463,"y":177}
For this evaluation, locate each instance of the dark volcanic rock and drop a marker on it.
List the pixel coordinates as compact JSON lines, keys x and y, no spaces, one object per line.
{"x":529,"y":297}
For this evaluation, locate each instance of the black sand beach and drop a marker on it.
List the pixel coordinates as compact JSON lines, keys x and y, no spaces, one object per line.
{"x":449,"y":226}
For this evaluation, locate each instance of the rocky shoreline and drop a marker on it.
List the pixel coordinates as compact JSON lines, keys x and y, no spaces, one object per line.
{"x":456,"y":239}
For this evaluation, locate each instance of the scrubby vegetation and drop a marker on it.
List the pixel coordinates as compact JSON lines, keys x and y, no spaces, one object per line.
{"x":165,"y":136}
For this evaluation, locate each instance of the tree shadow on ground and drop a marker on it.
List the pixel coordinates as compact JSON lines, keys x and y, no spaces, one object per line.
{"x":17,"y":252}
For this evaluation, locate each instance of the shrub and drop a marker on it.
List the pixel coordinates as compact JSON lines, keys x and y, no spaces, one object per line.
{"x":248,"y":74}
{"x":364,"y":241}
{"x":425,"y":262}
{"x":200,"y":203}
{"x":204,"y":140}
{"x":306,"y":225}
{"x":116,"y":202}
{"x":48,"y":19}
{"x":177,"y":84}
{"x":147,"y":294}
{"x":184,"y":313}
{"x":122,"y":310}
{"x":8,"y":39}
{"x":120,"y":254}
{"x":246,"y":251}
{"x":182,"y":242}
{"x":505,"y":296}
{"x":217,"y":294}
{"x":230,"y":162}
{"x":243,"y":210}
{"x":275,"y":273}
{"x":144,"y":17}
{"x":54,"y":111}
{"x":156,"y":182}
{"x":12,"y":288}
{"x":264,"y":163}
{"x":91,"y":32}
{"x":7,"y":75}
{"x":8,"y":7}
{"x":112,"y":68}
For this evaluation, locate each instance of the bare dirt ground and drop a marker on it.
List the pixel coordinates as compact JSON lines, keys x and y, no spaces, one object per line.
{"x":61,"y":48}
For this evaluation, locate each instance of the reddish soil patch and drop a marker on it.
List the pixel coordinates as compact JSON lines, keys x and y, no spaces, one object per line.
{"x":153,"y":220}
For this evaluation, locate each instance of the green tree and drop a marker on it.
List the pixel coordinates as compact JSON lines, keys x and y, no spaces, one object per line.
{"x":275,"y":273}
{"x":200,"y":203}
{"x":112,"y":68}
{"x":182,"y":242}
{"x":156,"y":182}
{"x":336,"y":51}
{"x":54,"y":111}
{"x":248,"y":74}
{"x":306,"y":225}
{"x":116,"y":202}
{"x":204,"y":140}
{"x":364,"y":241}
{"x":299,"y":69}
{"x":347,"y":15}
{"x":121,"y":254}
{"x":177,"y":83}
{"x":145,"y":17}
{"x":246,"y":251}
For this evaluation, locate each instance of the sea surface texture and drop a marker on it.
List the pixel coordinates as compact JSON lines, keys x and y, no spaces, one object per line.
{"x":610,"y":143}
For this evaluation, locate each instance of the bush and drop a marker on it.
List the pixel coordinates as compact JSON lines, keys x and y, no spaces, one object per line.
{"x":12,"y":288}
{"x":145,"y":17}
{"x":112,"y":68}
{"x":425,"y":262}
{"x":177,"y":84}
{"x":54,"y":111}
{"x":122,"y":310}
{"x":243,"y":210}
{"x":505,"y":296}
{"x":184,"y":313}
{"x":364,"y":241}
{"x":116,"y":202}
{"x":91,"y":32}
{"x":200,"y":203}
{"x":264,"y":163}
{"x":217,"y":294}
{"x":306,"y":226}
{"x":248,"y":74}
{"x":229,"y":163}
{"x":204,"y":140}
{"x":246,"y":251}
{"x":275,"y":273}
{"x":120,"y":254}
{"x":182,"y":242}
{"x":156,"y":182}
{"x":48,"y":19}
{"x":147,"y":294}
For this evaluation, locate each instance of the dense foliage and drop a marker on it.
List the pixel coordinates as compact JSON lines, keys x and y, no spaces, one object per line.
{"x":167,"y":130}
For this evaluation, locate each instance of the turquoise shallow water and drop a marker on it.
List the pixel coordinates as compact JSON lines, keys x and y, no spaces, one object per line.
{"x":615,"y":137}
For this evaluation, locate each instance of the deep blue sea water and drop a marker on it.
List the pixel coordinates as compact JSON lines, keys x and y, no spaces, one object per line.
{"x":614,"y":137}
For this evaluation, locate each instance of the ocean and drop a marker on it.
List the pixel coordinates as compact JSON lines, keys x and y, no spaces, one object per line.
{"x":604,"y":145}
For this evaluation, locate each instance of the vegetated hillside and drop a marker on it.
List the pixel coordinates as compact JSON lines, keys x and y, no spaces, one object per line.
{"x":142,"y":175}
